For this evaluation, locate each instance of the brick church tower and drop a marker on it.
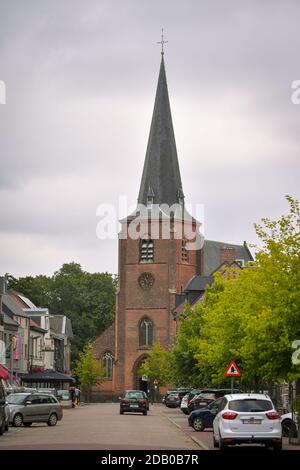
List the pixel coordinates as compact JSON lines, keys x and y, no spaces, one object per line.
{"x":161,"y":261}
{"x":154,"y":265}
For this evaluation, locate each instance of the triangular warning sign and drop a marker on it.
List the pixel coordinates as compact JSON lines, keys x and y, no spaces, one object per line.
{"x":232,"y":370}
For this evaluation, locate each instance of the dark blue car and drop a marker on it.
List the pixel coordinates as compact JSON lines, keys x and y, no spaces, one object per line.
{"x":203,"y":418}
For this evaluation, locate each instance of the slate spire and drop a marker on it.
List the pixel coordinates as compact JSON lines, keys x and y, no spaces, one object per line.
{"x":161,"y":169}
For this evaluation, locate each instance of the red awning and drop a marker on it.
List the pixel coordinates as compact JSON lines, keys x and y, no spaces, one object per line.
{"x":4,"y":374}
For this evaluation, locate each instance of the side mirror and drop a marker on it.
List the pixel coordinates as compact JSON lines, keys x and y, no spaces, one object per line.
{"x":28,"y":402}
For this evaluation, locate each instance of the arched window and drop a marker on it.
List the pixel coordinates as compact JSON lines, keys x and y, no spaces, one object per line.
{"x":184,"y":251}
{"x":108,"y":365}
{"x":146,"y":250}
{"x":146,"y":332}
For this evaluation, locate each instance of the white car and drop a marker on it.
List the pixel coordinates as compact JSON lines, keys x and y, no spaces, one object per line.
{"x":184,"y":404}
{"x":247,"y":418}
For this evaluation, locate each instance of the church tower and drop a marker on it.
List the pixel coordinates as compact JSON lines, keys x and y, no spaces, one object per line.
{"x":155,"y":264}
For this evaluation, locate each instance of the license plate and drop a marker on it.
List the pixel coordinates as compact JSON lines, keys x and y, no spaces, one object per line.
{"x":134,"y":406}
{"x":251,"y":421}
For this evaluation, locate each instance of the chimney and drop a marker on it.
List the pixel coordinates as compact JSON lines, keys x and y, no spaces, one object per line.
{"x":227,"y":255}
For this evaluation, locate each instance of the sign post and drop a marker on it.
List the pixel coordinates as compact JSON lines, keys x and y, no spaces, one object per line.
{"x":232,"y":371}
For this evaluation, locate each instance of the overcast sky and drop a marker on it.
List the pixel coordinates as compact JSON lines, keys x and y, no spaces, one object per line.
{"x":81,"y":79}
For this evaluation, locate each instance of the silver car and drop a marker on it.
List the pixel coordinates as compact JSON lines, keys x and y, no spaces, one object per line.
{"x":28,"y":408}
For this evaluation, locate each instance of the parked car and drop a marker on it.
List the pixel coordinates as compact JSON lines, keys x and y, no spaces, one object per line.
{"x":168,"y":392}
{"x":289,"y":425}
{"x":173,"y":400}
{"x":28,"y":408}
{"x":203,"y":418}
{"x":134,"y":401}
{"x":247,"y":418}
{"x":205,"y":397}
{"x":2,"y":409}
{"x":184,"y":406}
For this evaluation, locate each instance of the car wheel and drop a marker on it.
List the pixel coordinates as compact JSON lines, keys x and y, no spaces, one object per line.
{"x":222,"y":446}
{"x":27,"y":425}
{"x":215,"y":443}
{"x":185,"y":411}
{"x":145,"y":413}
{"x":52,"y":420}
{"x":289,"y":428}
{"x":198,"y":424}
{"x":18,"y":420}
{"x":121,"y":412}
{"x":6,"y":427}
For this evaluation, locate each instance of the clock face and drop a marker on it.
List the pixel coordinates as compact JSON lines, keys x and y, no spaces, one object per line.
{"x":146,"y":280}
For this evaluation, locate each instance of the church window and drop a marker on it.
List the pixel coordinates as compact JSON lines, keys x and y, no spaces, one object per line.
{"x":184,"y":252}
{"x":146,"y":250}
{"x":108,"y":365}
{"x":146,"y":332}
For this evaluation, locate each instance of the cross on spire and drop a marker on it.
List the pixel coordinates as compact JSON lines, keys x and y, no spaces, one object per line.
{"x":162,"y":42}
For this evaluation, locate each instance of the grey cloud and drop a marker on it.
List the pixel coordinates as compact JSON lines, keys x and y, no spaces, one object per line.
{"x":81,"y":80}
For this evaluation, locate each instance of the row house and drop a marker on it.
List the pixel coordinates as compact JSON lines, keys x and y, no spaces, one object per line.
{"x":33,"y":339}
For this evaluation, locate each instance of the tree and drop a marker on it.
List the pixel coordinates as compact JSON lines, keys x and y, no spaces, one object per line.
{"x":157,"y":366}
{"x":251,"y":315}
{"x":88,"y":370}
{"x":88,"y":299}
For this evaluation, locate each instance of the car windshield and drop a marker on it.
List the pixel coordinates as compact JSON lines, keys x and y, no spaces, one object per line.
{"x":16,"y":399}
{"x":250,"y":405}
{"x":135,"y":395}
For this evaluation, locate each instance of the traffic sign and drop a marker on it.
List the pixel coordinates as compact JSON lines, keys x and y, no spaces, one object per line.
{"x":232,"y":370}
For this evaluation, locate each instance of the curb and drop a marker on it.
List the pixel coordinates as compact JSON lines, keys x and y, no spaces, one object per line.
{"x":197,"y":441}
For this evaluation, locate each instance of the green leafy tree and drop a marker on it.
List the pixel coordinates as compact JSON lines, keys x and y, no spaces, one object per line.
{"x":88,"y":299}
{"x":251,"y":315}
{"x":157,"y":366}
{"x":88,"y":370}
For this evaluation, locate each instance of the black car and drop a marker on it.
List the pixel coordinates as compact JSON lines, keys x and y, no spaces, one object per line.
{"x":208,"y":396}
{"x":201,"y":419}
{"x":134,"y":401}
{"x":2,"y":409}
{"x":173,"y":400}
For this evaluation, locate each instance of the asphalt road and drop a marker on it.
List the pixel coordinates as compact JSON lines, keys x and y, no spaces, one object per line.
{"x":100,"y":426}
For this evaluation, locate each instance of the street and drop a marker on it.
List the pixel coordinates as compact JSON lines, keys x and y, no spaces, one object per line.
{"x":100,"y":426}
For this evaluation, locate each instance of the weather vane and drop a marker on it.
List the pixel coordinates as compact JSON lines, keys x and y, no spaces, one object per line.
{"x":162,"y":42}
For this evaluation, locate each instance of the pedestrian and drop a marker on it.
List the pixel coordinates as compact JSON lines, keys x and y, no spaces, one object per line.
{"x":77,"y":395}
{"x":73,"y":397}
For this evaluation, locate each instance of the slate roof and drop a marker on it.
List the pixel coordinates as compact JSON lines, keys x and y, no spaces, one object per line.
{"x":161,"y":175}
{"x":212,"y":254}
{"x":198,"y":283}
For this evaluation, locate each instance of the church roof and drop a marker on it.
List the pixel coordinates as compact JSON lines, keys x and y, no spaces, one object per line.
{"x":161,"y":179}
{"x":212,"y":254}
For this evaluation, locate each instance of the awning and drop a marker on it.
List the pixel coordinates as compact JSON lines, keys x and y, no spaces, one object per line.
{"x":4,"y":373}
{"x":47,"y":376}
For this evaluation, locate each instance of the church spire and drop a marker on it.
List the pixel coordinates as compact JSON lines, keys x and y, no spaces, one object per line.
{"x":161,"y":169}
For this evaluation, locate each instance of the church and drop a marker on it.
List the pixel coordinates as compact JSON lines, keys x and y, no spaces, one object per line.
{"x":167,"y":263}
